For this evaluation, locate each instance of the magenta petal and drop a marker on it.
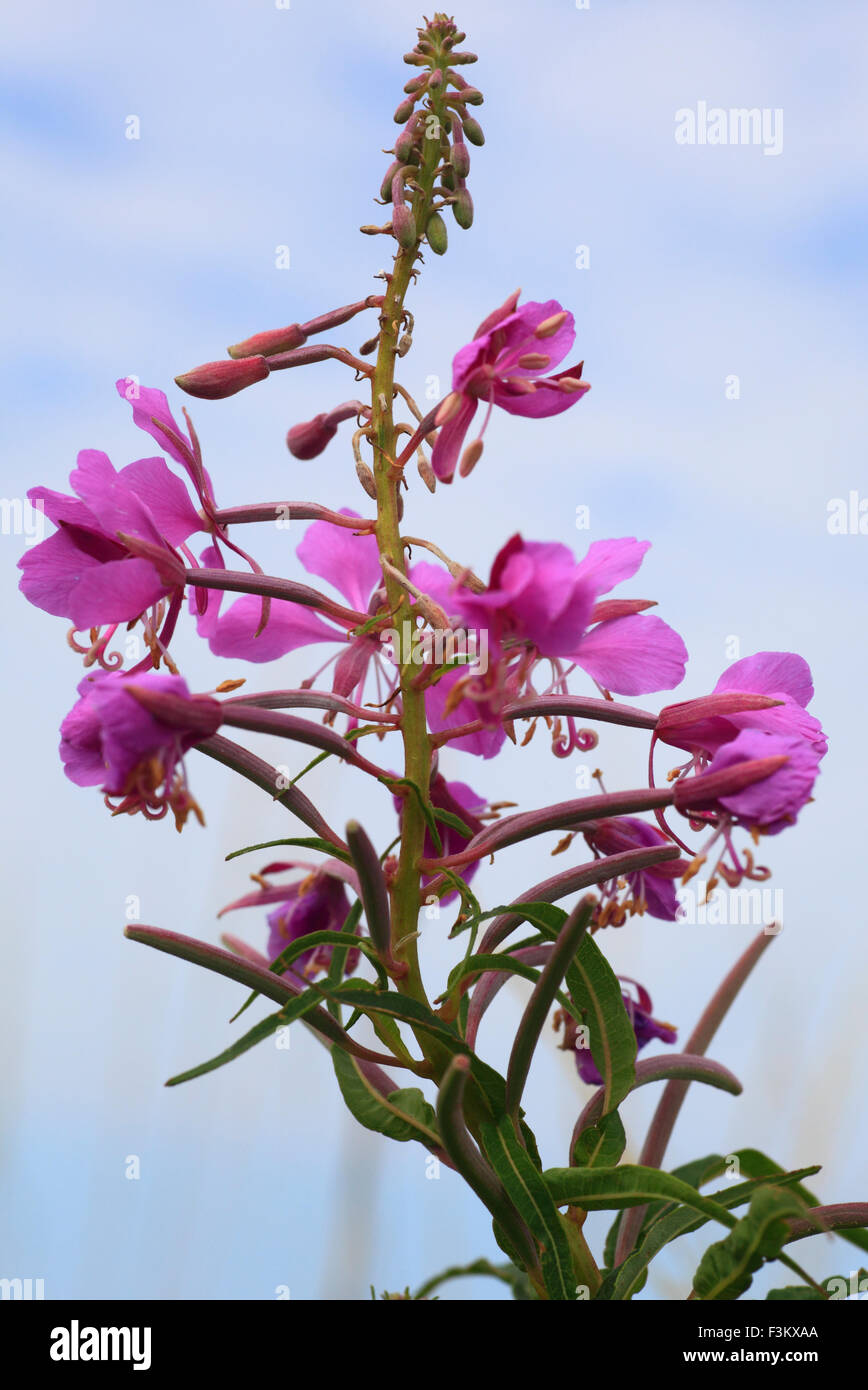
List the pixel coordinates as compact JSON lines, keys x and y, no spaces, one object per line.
{"x":51,"y":571}
{"x":447,"y":448}
{"x":111,"y":498}
{"x":115,"y":592}
{"x":538,"y":404}
{"x":634,"y":655}
{"x":351,"y":563}
{"x":771,"y":673}
{"x":289,"y":626}
{"x":59,"y":506}
{"x":484,"y":744}
{"x":608,"y":563}
{"x":165,"y":496}
{"x":149,"y":404}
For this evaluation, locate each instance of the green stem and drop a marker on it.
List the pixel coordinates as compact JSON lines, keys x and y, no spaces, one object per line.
{"x":405,"y":892}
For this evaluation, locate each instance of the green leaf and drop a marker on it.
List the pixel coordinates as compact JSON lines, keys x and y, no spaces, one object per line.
{"x":596,"y":991}
{"x":301,"y":842}
{"x":676,"y":1221}
{"x":529,"y":1194}
{"x":602,"y":1144}
{"x":450,"y":818}
{"x":544,"y":916}
{"x":727,"y":1268}
{"x":295,"y":1008}
{"x":403,"y":1115}
{"x":629,"y":1185}
{"x":800,"y":1293}
{"x":424,"y":805}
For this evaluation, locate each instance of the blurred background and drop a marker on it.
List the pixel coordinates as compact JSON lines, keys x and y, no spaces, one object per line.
{"x":719,"y":293}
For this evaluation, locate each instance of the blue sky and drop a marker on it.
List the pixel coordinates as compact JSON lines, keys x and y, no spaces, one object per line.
{"x":263,"y":127}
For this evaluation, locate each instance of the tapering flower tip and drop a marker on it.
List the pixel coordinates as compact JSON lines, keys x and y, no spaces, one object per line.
{"x":404,"y":226}
{"x":307,"y":440}
{"x":473,"y":131}
{"x":702,"y":792}
{"x":215,"y":380}
{"x":197,"y":715}
{"x":436,"y":79}
{"x":438,"y":237}
{"x":266,"y":344}
{"x":404,"y":111}
{"x":462,"y":209}
{"x":470,"y":458}
{"x":716,"y":705}
{"x":470,"y":95}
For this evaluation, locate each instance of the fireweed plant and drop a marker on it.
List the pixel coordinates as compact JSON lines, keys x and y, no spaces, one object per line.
{"x":426,"y":650}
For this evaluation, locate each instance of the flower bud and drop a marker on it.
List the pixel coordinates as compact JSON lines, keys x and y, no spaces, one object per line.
{"x":406,"y":141}
{"x":416,"y":83}
{"x":404,"y":111}
{"x":438,"y":237}
{"x":215,"y":380}
{"x":473,"y":131}
{"x":265,"y":344}
{"x":472,"y":96}
{"x":386,"y":185}
{"x":436,"y":79}
{"x":459,"y":156}
{"x":461,"y":59}
{"x":404,"y":226}
{"x":307,"y":440}
{"x":462,"y":209}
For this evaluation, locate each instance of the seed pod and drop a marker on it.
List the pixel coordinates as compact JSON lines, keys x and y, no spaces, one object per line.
{"x":366,"y":478}
{"x":404,"y":111}
{"x":462,"y":209}
{"x":426,"y":472}
{"x":438,"y":237}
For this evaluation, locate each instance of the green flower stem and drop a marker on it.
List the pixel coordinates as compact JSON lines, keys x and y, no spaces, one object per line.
{"x":405,"y":891}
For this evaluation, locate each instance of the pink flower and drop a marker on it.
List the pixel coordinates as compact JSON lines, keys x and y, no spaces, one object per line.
{"x":351,"y":563}
{"x":651,"y":890}
{"x":504,"y":365}
{"x":112,"y":739}
{"x":113,"y":554}
{"x":543,"y":604}
{"x":702,"y":726}
{"x":317,"y":902}
{"x":646,"y":1029}
{"x":774,"y":802}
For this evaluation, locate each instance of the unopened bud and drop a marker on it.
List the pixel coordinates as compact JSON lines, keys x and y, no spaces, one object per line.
{"x":215,"y":380}
{"x":473,"y":131}
{"x":426,"y":472}
{"x":550,"y":326}
{"x":404,"y":111}
{"x":461,"y":59}
{"x":470,"y":458}
{"x":406,"y":141}
{"x":472,"y":96}
{"x":436,"y":79}
{"x":416,"y":83}
{"x":462,"y":209}
{"x":459,"y":156}
{"x":264,"y":344}
{"x":366,"y":478}
{"x":308,"y":440}
{"x":404,"y":226}
{"x":438,"y":237}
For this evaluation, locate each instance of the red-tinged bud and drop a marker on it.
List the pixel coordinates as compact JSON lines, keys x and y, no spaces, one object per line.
{"x":386,"y":185}
{"x":404,"y":226}
{"x":462,"y":209}
{"x":426,"y":472}
{"x":404,"y":111}
{"x":472,"y":96}
{"x":438,"y":237}
{"x":702,"y":793}
{"x":473,"y":131}
{"x":708,"y":706}
{"x":336,"y":317}
{"x":307,"y":440}
{"x":447,"y":178}
{"x":416,"y":60}
{"x":416,"y":83}
{"x":459,"y":156}
{"x":366,"y":478}
{"x":620,"y":608}
{"x":470,"y":458}
{"x":436,"y":79}
{"x":215,"y":380}
{"x":462,"y":59}
{"x":406,"y":141}
{"x":265,"y":344}
{"x":550,"y":326}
